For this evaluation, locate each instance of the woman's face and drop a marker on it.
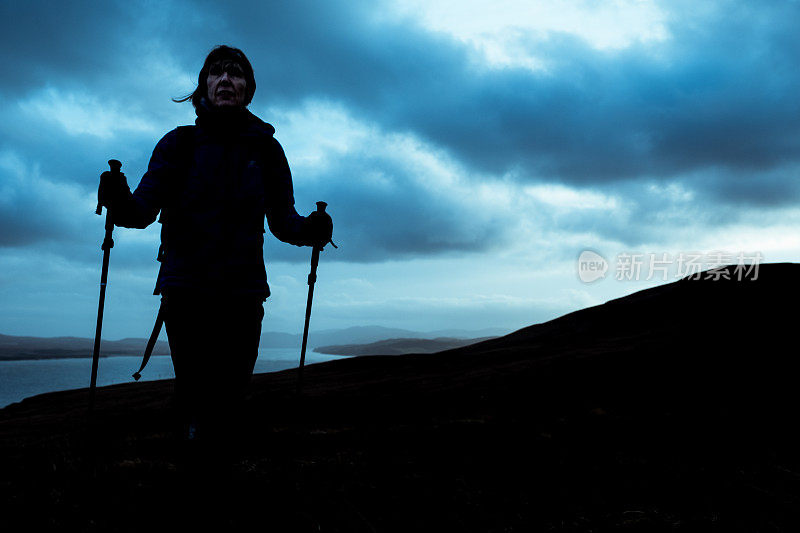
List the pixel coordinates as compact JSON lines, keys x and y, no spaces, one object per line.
{"x":226,"y":84}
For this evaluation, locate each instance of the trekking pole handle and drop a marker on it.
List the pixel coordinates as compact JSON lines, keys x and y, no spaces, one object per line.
{"x":115,"y":167}
{"x":321,"y":209}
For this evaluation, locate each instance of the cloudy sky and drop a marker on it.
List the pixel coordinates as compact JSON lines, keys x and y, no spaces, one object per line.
{"x":469,"y":150}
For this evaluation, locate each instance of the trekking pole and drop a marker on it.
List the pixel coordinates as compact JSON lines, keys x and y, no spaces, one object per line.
{"x":312,"y":278}
{"x":108,"y":243}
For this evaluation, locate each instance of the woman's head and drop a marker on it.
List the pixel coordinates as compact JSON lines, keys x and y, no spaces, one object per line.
{"x":226,"y":79}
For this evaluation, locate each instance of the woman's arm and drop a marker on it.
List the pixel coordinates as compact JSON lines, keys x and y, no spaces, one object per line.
{"x":140,"y":208}
{"x":284,"y":221}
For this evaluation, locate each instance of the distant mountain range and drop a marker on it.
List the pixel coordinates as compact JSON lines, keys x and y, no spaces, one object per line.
{"x":399,"y":346}
{"x":16,"y":347}
{"x":12,"y":347}
{"x":366,"y":335}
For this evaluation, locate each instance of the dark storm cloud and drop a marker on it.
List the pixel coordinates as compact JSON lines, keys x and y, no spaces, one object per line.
{"x":721,"y":93}
{"x":763,"y":190}
{"x":399,"y":217}
{"x":28,"y":214}
{"x":75,"y":42}
{"x":714,"y":108}
{"x":419,"y":224}
{"x":86,"y":43}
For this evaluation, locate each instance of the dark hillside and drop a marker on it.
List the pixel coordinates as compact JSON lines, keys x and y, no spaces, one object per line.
{"x":675,"y":408}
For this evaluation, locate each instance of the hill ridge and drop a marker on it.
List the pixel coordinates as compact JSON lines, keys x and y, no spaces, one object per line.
{"x":674,"y":407}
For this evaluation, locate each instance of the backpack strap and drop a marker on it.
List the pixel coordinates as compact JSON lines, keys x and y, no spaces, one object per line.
{"x":185,"y":145}
{"x":148,"y":351}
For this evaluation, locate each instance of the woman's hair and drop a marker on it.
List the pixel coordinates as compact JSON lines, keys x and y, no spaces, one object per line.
{"x":218,"y":54}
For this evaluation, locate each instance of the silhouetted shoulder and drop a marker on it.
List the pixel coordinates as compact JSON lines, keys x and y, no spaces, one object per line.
{"x":165,"y":148}
{"x":268,"y":128}
{"x":274,"y":147}
{"x":259,"y":126}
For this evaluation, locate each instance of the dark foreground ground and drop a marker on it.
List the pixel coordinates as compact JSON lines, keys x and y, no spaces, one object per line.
{"x":674,"y":409}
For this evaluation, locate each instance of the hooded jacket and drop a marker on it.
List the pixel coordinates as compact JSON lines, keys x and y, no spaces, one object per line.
{"x":213,"y":184}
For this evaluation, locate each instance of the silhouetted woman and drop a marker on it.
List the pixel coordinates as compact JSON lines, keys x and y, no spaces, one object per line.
{"x":213,"y":184}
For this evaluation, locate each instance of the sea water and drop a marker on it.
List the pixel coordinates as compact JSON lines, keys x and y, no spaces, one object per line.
{"x":20,"y":379}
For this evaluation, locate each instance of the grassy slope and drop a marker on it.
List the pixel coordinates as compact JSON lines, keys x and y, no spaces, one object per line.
{"x":671,"y":409}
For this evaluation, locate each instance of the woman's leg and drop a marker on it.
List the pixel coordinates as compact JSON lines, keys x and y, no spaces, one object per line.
{"x":214,"y":346}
